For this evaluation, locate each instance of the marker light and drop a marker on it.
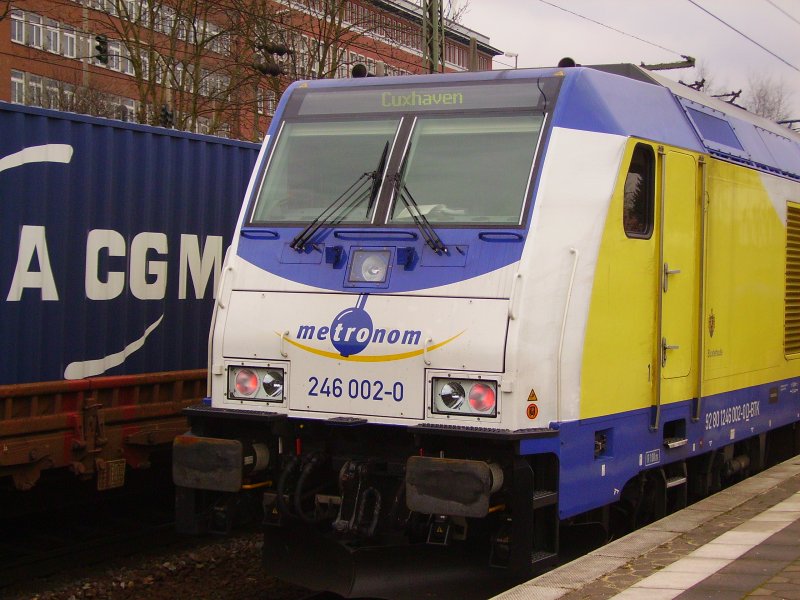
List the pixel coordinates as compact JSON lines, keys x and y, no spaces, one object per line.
{"x":482,"y":397}
{"x":450,"y":397}
{"x":369,"y":266}
{"x":246,"y":382}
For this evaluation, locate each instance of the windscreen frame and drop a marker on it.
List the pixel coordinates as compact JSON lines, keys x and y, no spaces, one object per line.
{"x":547,"y":86}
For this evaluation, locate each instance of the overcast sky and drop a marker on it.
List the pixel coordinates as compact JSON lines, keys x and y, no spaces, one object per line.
{"x":542,"y":34}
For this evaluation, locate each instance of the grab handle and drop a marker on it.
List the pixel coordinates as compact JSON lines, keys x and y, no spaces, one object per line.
{"x":284,"y":353}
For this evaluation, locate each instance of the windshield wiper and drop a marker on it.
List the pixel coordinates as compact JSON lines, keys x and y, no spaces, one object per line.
{"x":429,"y":234}
{"x":377,"y":177}
{"x":350,"y":198}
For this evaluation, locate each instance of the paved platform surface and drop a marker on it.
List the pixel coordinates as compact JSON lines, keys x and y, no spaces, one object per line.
{"x":743,"y":542}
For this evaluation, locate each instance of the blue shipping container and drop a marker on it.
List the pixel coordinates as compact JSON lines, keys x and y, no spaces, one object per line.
{"x":111,"y":243}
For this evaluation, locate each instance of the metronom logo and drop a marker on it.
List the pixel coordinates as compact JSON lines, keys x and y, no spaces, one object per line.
{"x":352,"y":330}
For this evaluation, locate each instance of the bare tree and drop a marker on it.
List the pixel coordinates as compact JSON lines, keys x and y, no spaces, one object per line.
{"x":768,"y":97}
{"x":763,"y":95}
{"x":319,"y":36}
{"x":455,"y":10}
{"x":182,"y":56}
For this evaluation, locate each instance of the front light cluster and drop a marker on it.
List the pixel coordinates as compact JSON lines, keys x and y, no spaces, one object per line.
{"x":266,"y":384}
{"x":471,"y":397}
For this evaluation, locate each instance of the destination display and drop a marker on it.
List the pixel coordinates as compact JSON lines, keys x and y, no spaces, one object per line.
{"x":525,"y":94}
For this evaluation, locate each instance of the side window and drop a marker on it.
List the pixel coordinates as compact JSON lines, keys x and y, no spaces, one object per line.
{"x":637,"y":204}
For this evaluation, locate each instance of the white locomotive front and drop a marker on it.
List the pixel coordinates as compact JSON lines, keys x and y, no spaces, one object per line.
{"x":363,"y":318}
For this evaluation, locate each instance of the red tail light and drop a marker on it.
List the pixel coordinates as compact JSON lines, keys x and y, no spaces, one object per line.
{"x":482,"y":397}
{"x":246,"y":382}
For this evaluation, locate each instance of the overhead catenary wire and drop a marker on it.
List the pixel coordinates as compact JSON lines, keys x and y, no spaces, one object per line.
{"x":776,"y":7}
{"x":744,"y":35}
{"x":601,"y":24}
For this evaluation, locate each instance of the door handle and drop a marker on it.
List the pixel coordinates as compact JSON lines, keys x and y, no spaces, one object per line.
{"x":667,"y":273}
{"x":664,"y":348}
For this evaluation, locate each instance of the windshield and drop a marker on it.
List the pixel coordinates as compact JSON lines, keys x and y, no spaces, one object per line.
{"x":472,"y":169}
{"x":314,"y":163}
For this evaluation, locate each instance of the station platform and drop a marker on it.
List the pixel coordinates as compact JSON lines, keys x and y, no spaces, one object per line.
{"x":743,"y":542}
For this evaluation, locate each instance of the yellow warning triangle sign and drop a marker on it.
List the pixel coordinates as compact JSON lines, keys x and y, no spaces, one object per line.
{"x":532,"y":396}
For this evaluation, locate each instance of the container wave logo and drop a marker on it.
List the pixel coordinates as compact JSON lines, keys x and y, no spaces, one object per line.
{"x":352,"y":331}
{"x":63,"y":153}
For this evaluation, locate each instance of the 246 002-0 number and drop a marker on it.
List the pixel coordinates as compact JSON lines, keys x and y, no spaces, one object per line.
{"x":355,"y":389}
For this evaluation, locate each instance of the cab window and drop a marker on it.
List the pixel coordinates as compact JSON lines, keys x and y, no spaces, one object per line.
{"x":639,"y":192}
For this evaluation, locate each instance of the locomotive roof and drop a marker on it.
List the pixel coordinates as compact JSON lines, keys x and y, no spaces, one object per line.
{"x":717,"y":127}
{"x":631,"y":101}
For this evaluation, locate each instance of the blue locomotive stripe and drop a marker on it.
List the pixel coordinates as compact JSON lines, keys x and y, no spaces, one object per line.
{"x":483,"y":256}
{"x":631,"y":447}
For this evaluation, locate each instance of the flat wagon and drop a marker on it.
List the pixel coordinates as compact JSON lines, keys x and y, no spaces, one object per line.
{"x":111,"y":244}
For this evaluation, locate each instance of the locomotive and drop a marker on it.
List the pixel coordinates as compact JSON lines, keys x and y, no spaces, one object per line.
{"x":464,"y":313}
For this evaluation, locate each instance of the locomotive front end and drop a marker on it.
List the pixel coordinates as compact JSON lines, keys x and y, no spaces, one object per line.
{"x":360,"y":388}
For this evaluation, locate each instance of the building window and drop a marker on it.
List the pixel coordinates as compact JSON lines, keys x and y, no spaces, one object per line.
{"x":127,"y":64}
{"x":128,"y":107}
{"x":178,"y":75}
{"x":128,"y":10}
{"x":68,"y":46}
{"x":18,"y":26}
{"x":114,"y":58}
{"x":637,"y":203}
{"x":52,"y":38}
{"x":17,"y":87}
{"x":34,"y":95}
{"x":182,"y":26}
{"x":33,"y":30}
{"x":271,"y":99}
{"x":145,"y":61}
{"x":52,"y":98}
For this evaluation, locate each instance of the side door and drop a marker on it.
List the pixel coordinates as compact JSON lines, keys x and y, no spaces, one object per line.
{"x":678,"y":271}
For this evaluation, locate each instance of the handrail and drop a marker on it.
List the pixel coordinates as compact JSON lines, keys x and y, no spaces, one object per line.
{"x":654,"y":425}
{"x":701,"y":310}
{"x":576,"y":255}
{"x":512,"y":301}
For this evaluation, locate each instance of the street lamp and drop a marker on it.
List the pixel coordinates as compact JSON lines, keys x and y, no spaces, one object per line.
{"x":513,"y":55}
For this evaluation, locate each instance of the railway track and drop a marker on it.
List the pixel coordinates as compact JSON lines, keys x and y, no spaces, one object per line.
{"x":41,"y":545}
{"x":125,"y":547}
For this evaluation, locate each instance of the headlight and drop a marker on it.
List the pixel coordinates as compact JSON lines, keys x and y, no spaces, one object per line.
{"x":452,"y":394}
{"x":369,"y":267}
{"x":273,"y":384}
{"x":468,"y":397}
{"x":265,"y":384}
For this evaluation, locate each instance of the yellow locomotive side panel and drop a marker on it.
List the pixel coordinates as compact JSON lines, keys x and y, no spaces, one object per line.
{"x":646,"y":317}
{"x":744,"y":307}
{"x":618,"y":361}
